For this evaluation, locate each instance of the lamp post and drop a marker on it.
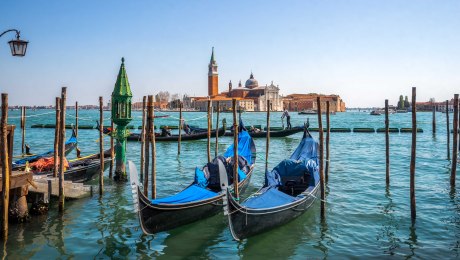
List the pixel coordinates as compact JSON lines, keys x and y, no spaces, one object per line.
{"x":18,"y":47}
{"x":121,"y":116}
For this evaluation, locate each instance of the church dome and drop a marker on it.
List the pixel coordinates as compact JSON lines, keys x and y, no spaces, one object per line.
{"x":251,"y":82}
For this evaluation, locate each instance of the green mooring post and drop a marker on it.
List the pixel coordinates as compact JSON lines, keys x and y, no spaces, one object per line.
{"x":121,"y":115}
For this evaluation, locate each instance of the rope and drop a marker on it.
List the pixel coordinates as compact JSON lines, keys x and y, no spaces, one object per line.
{"x":88,"y":118}
{"x":293,"y":206}
{"x":52,"y":112}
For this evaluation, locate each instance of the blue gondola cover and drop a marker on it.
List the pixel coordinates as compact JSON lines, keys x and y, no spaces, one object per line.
{"x":303,"y":161}
{"x":269,"y":199}
{"x":244,"y":147}
{"x":192,"y":193}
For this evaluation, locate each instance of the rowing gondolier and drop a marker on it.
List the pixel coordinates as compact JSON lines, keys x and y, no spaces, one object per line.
{"x":288,"y":119}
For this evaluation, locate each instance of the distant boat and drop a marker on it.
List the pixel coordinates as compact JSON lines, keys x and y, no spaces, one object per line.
{"x":313,"y":112}
{"x":375,"y":113}
{"x":401,"y":111}
{"x":308,"y":112}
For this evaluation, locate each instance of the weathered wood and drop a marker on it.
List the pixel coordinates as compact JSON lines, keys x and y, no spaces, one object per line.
{"x":180,"y":128}
{"x":17,"y":179}
{"x":147,"y":147}
{"x":434,"y":118}
{"x":321,"y":159}
{"x":101,"y":146}
{"x":328,"y":133}
{"x":412,"y":157}
{"x":76,"y":119}
{"x":453,"y":171}
{"x":267,"y":144}
{"x":5,"y":166}
{"x":208,"y":147}
{"x":387,"y":144}
{"x":112,"y":149}
{"x":448,"y":129}
{"x":23,"y":128}
{"x":57,"y":134}
{"x":144,"y":104}
{"x":153,"y":145}
{"x":235,"y":150}
{"x":217,"y":129}
{"x":76,"y":129}
{"x":62,"y":150}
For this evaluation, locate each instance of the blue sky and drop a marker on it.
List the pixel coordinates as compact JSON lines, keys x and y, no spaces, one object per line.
{"x":363,"y":50}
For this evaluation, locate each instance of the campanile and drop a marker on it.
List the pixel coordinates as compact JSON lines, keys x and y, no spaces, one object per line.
{"x":213,"y":77}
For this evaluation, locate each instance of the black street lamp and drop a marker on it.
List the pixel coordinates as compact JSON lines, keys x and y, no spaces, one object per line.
{"x":18,"y":46}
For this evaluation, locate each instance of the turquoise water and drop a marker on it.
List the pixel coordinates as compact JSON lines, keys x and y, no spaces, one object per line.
{"x":363,"y":218}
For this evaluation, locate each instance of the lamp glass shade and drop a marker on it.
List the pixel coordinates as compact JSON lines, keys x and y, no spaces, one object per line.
{"x":18,"y":47}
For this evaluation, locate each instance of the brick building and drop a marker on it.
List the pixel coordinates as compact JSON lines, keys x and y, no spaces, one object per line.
{"x":300,"y":102}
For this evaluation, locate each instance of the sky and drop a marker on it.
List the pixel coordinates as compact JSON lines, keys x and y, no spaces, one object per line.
{"x":365,"y":51}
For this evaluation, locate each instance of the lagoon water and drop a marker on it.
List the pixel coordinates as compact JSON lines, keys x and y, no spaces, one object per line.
{"x":363,"y":218}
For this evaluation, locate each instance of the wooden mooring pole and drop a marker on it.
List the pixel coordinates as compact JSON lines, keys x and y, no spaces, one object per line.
{"x":57,"y":140}
{"x":267,"y":144}
{"x":62,"y":149}
{"x":387,"y":144}
{"x":448,"y":129}
{"x":321,"y":159}
{"x":217,"y":129}
{"x":76,"y":128}
{"x":76,"y":119}
{"x":434,"y":118}
{"x":208,"y":147}
{"x":5,"y":166}
{"x":453,"y":172}
{"x":148,"y":135}
{"x":235,"y":151}
{"x":412,"y":157}
{"x":112,"y":150}
{"x":143,"y":135}
{"x":23,"y":128}
{"x":180,"y":128}
{"x":154,"y":149}
{"x":328,"y":133}
{"x":101,"y":146}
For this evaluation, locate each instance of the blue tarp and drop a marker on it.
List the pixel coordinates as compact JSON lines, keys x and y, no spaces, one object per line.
{"x":307,"y":149}
{"x":269,"y":199}
{"x":304,"y":159}
{"x":192,"y":193}
{"x":244,"y":147}
{"x":200,"y":178}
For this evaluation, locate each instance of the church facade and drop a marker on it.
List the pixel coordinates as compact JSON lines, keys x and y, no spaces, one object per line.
{"x":251,"y":97}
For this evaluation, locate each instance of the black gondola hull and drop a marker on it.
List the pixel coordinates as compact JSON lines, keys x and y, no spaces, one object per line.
{"x":281,"y":133}
{"x":155,"y":218}
{"x":246,"y":222}
{"x":86,"y":173}
{"x":175,"y":138}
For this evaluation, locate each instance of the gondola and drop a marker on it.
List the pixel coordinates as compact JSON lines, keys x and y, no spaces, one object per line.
{"x":83,"y":169}
{"x":195,"y":135}
{"x":202,"y":198}
{"x":280,"y":133}
{"x":69,"y":146}
{"x":289,"y":190}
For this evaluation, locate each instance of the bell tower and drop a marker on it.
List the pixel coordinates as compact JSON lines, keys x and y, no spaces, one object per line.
{"x":213,"y":77}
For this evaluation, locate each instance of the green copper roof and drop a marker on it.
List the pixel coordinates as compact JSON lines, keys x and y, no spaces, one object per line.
{"x":122,"y":85}
{"x":212,"y":56}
